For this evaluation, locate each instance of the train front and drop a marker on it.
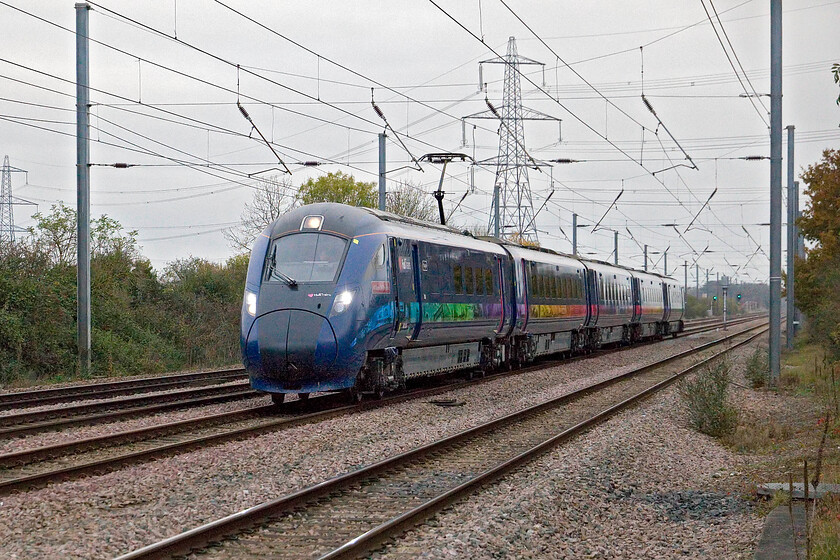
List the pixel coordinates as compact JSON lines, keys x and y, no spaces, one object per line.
{"x":301,"y":308}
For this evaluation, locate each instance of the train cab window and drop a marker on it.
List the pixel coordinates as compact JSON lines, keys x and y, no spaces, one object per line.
{"x":458,"y":278}
{"x":488,"y":282}
{"x":469,"y":285}
{"x":479,"y":282}
{"x":305,"y":257}
{"x":379,"y":257}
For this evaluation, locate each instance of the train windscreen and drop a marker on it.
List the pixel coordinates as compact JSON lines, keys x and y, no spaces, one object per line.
{"x":304,"y":257}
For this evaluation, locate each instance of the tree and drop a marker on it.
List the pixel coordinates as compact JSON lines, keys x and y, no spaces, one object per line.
{"x":271,"y":200}
{"x":818,"y":277}
{"x":338,"y":187}
{"x":408,"y":199}
{"x":55,"y":234}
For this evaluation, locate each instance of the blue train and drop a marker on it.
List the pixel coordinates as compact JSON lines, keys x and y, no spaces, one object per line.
{"x":360,"y":300}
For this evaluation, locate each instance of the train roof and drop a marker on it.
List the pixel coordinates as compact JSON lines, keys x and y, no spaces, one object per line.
{"x":352,"y":221}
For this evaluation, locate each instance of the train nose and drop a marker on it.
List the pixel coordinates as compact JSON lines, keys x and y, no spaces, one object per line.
{"x":295,"y":343}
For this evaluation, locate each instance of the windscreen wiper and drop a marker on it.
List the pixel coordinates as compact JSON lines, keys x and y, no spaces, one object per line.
{"x":285,"y":278}
{"x":272,"y":270}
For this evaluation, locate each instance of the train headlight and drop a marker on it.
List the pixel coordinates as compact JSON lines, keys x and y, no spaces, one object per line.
{"x":342,"y":302}
{"x":251,"y":303}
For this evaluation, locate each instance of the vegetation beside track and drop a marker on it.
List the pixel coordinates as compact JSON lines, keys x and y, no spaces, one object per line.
{"x":778,"y":429}
{"x":142,"y":321}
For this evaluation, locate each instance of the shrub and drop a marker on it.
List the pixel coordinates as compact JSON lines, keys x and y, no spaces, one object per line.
{"x":706,"y":400}
{"x":758,"y":368}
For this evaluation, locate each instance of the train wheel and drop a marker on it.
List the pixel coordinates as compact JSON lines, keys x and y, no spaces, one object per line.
{"x":354,"y":395}
{"x":379,"y":392}
{"x":278,"y":398}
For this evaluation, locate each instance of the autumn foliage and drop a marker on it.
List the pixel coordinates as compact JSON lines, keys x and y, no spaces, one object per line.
{"x":818,"y":277}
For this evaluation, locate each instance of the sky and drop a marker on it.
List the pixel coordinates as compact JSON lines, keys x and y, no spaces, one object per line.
{"x":166,"y":77}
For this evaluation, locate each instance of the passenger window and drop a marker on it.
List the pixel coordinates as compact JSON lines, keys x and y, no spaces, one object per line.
{"x":479,"y":285}
{"x":458,"y":276}
{"x":488,"y":282}
{"x":469,"y":285}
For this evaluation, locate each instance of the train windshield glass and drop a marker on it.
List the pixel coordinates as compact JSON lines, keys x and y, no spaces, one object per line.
{"x":304,"y":257}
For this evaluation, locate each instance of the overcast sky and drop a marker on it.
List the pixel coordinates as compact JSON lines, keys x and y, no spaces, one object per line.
{"x":160,"y":102}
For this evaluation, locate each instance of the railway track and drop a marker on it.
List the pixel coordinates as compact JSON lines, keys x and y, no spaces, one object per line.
{"x":43,"y":465}
{"x":135,"y":386}
{"x":121,"y":408}
{"x":352,"y":514}
{"x":92,"y":391}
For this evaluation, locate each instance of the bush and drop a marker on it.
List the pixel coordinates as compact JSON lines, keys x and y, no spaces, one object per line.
{"x":706,"y":399}
{"x":758,"y":368}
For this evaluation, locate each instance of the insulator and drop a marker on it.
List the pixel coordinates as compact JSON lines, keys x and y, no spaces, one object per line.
{"x":648,"y":105}
{"x":378,"y":111}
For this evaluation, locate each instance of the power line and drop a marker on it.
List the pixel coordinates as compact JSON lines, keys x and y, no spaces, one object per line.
{"x":729,"y":59}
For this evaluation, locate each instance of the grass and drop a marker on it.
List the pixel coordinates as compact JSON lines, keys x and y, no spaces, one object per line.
{"x":826,"y":533}
{"x":806,"y":371}
{"x":753,"y":435}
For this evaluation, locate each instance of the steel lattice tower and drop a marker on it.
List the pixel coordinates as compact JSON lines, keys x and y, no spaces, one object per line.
{"x":7,"y":219}
{"x":516,"y":209}
{"x":512,"y":212}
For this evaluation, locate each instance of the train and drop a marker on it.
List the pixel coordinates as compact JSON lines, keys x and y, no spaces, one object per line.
{"x":344,"y":298}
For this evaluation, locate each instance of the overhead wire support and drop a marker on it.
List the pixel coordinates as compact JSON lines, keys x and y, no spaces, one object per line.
{"x":444,"y":158}
{"x":708,"y":200}
{"x":537,"y":213}
{"x":397,"y":136}
{"x":594,"y":229}
{"x":267,"y":143}
{"x":665,"y":128}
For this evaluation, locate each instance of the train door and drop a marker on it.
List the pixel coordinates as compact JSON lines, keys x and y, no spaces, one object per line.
{"x":594,"y":295}
{"x":503,"y":313}
{"x":405,"y":263}
{"x":637,"y":299}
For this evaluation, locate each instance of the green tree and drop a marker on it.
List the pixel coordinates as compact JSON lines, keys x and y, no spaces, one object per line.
{"x":818,"y":277}
{"x":338,"y":187}
{"x":55,"y":234}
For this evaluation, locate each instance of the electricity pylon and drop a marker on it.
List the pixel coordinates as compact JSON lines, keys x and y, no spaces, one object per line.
{"x":512,"y":214}
{"x":7,"y":202}
{"x":7,"y":217}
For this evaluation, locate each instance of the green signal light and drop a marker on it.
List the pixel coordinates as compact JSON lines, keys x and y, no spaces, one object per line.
{"x":715,"y":298}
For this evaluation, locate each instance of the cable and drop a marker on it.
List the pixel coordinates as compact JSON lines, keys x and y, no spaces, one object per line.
{"x":534,"y":33}
{"x":729,"y":58}
{"x":576,"y":117}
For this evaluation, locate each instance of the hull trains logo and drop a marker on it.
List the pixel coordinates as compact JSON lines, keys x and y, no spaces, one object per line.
{"x":319,"y":294}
